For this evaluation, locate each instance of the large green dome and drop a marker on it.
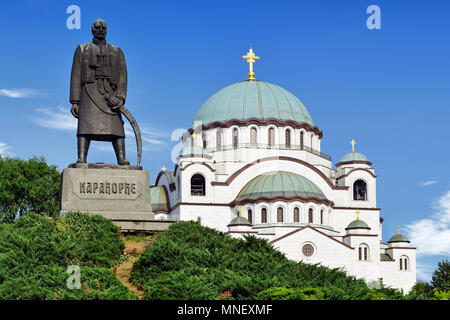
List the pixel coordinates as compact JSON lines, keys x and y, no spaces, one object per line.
{"x":252,"y":99}
{"x":280,"y":184}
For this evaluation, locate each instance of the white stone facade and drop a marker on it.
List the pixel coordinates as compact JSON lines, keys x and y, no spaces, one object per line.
{"x":227,"y":164}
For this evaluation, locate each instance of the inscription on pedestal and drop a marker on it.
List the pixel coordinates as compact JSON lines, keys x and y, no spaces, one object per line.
{"x":107,"y":188}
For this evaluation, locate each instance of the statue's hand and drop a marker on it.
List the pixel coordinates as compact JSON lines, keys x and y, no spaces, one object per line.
{"x":114,"y":102}
{"x":74,"y":110}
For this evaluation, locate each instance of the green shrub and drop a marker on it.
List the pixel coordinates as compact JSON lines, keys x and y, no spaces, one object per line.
{"x":35,"y":251}
{"x":281,"y":293}
{"x":189,"y":261}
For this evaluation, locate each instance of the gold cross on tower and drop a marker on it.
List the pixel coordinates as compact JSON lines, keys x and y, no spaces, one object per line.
{"x":251,"y":58}
{"x":353,"y":142}
{"x":357,"y":214}
{"x":398,"y":229}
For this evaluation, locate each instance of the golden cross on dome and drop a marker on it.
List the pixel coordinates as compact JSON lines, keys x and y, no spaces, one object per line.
{"x":357,"y":214}
{"x":239,"y":211}
{"x":398,"y":229}
{"x":251,"y":58}
{"x":353,"y":142}
{"x":164,"y":168}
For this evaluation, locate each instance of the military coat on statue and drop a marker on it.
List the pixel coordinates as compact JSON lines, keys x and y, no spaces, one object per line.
{"x":98,"y":71}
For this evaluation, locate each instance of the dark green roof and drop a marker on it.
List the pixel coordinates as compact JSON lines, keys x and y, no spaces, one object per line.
{"x":385,"y":257}
{"x":353,"y":156}
{"x":239,"y":221}
{"x":357,"y":224}
{"x":280,"y":184}
{"x":398,"y":238}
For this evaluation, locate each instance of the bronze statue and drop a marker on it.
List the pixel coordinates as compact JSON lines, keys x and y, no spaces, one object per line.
{"x":98,"y":89}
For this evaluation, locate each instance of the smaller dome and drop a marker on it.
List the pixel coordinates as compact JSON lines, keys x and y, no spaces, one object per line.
{"x":357,"y":224}
{"x":158,"y":199}
{"x":238,"y":221}
{"x":280,"y":184}
{"x":353,"y":156}
{"x":193,"y":151}
{"x":398,"y":238}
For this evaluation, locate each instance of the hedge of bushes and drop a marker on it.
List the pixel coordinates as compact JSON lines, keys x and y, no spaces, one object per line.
{"x":189,"y":261}
{"x":36,"y":250}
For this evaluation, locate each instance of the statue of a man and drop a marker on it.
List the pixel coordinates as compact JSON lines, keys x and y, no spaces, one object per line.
{"x":98,"y":88}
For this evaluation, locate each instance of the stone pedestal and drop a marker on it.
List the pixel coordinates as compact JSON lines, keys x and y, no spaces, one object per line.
{"x":120,"y":193}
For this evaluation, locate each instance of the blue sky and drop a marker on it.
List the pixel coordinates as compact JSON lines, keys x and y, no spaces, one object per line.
{"x":388,"y":89}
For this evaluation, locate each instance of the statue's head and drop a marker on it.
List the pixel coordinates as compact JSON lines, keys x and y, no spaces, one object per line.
{"x":99,"y":29}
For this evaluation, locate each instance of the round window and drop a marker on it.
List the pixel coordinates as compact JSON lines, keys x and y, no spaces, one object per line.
{"x":308,"y":250}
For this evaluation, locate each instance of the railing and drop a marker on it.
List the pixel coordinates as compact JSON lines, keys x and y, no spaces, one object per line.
{"x":269,"y":146}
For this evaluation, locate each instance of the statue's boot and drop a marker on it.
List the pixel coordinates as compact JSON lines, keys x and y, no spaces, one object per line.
{"x":83,"y":147}
{"x":119,"y":148}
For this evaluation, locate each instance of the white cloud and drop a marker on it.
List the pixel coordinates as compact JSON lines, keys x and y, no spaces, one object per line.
{"x":431,"y":235}
{"x":61,"y":119}
{"x":423,"y":271}
{"x":4,"y":150}
{"x":428,"y":183}
{"x":20,"y":93}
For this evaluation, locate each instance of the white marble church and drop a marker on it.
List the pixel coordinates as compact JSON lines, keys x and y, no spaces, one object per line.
{"x":252,"y":164}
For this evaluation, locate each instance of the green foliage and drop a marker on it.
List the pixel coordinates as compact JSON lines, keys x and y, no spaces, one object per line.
{"x":189,"y":261}
{"x":36,"y":250}
{"x":281,"y":293}
{"x":420,"y":291}
{"x":441,"y":276}
{"x":441,"y":295}
{"x":28,"y":186}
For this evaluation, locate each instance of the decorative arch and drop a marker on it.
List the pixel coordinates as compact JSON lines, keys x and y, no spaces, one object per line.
{"x":306,"y":164}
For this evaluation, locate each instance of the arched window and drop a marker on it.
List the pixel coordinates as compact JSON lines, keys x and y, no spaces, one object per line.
{"x":360,"y":190}
{"x":280,"y":214}
{"x":363,"y":252}
{"x":288,"y":138}
{"x":312,"y":136}
{"x":271,"y":136}
{"x":301,"y":139}
{"x":235,"y":138}
{"x":219,"y":139}
{"x":253,"y":136}
{"x":296,"y":215}
{"x":403,"y":263}
{"x":250,"y":216}
{"x":197,"y":185}
{"x":263,"y":215}
{"x":310,"y":215}
{"x":321,"y":216}
{"x":204,"y":140}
